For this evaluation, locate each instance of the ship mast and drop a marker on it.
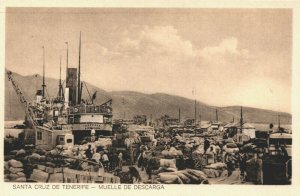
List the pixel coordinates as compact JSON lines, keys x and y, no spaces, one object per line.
{"x":43,"y":85}
{"x":179,"y":115}
{"x":67,"y":59}
{"x":79,"y":82}
{"x":60,"y":92}
{"x":278,"y":121}
{"x":195,"y":113}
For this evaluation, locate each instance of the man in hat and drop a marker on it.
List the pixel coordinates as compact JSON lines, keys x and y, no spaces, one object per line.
{"x":229,"y":160}
{"x":89,"y":152}
{"x":206,"y":145}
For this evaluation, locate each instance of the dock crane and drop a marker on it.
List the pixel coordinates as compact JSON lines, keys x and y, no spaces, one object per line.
{"x":28,"y":110}
{"x":40,"y":135}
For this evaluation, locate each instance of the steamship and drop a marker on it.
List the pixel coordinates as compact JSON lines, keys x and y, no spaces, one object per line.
{"x":68,"y":111}
{"x":84,"y":116}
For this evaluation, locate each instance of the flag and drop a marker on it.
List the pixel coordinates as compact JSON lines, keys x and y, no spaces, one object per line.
{"x":94,"y":95}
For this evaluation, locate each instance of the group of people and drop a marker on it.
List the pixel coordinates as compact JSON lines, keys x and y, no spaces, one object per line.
{"x":214,"y":151}
{"x":110,"y":161}
{"x":148,"y":160}
{"x":233,"y":160}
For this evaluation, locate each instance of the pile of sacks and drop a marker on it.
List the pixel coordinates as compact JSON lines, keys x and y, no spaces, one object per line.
{"x":187,"y":176}
{"x":76,"y":151}
{"x":172,"y":152}
{"x":199,"y":150}
{"x":214,"y":170}
{"x":230,"y":148}
{"x":167,"y":165}
{"x":168,"y":174}
{"x":103,"y":142}
{"x":80,"y":149}
{"x":13,"y":171}
{"x":47,"y":173}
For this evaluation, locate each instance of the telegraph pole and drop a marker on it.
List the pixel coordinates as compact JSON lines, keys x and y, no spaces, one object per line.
{"x":43,"y":85}
{"x":179,"y":115}
{"x":241,"y":121}
{"x":79,"y":82}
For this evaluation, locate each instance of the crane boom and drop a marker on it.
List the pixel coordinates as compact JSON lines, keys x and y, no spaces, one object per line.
{"x":28,"y":109}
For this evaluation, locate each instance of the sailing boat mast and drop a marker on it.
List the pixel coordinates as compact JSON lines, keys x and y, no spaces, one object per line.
{"x":43,"y":85}
{"x":79,"y":82}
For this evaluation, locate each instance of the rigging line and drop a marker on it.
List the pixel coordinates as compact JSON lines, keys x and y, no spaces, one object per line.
{"x":87,"y":90}
{"x":105,"y":96}
{"x":9,"y":95}
{"x":47,"y":93}
{"x":108,"y":98}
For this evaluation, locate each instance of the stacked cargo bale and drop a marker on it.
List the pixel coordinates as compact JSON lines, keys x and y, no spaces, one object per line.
{"x":187,"y":176}
{"x":214,"y":170}
{"x":14,"y":171}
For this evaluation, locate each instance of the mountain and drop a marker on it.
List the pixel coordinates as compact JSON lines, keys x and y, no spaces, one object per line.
{"x":126,"y":104}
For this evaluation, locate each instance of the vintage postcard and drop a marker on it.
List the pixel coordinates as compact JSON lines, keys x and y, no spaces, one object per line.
{"x":149,"y":99}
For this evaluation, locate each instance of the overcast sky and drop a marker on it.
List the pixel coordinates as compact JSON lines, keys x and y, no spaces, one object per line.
{"x":227,"y":56}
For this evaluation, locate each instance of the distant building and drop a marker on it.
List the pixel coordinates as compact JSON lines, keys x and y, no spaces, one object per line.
{"x":140,"y":120}
{"x":166,"y":121}
{"x":206,"y":128}
{"x":234,"y":128}
{"x":215,"y":126}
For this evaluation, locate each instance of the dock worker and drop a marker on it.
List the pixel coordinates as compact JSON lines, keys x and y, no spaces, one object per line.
{"x":96,"y":156}
{"x":206,"y":145}
{"x":151,"y":165}
{"x":89,"y":152}
{"x":93,"y":137}
{"x":229,"y":160}
{"x":105,"y":160}
{"x":120,"y":160}
{"x":243,"y":165}
{"x":154,"y":143}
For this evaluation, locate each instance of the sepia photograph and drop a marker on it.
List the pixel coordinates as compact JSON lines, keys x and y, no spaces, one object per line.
{"x":149,"y":96}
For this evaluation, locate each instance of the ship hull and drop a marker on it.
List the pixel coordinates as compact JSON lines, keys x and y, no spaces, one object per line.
{"x":83,"y":131}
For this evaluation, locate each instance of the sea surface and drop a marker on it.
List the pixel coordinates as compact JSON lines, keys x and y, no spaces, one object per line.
{"x":9,"y":130}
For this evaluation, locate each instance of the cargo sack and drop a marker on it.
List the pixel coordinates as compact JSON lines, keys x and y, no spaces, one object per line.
{"x":217,"y":166}
{"x":39,"y":176}
{"x":56,"y":177}
{"x":168,"y":163}
{"x":14,"y":163}
{"x":231,"y":145}
{"x":169,"y":178}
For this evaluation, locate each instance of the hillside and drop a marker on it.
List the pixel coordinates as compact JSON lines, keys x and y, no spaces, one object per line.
{"x":128,"y":103}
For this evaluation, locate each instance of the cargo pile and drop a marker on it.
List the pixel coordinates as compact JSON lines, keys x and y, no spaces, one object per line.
{"x":171,"y":153}
{"x":214,"y":170}
{"x":14,"y":171}
{"x":187,"y":176}
{"x":61,"y":164}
